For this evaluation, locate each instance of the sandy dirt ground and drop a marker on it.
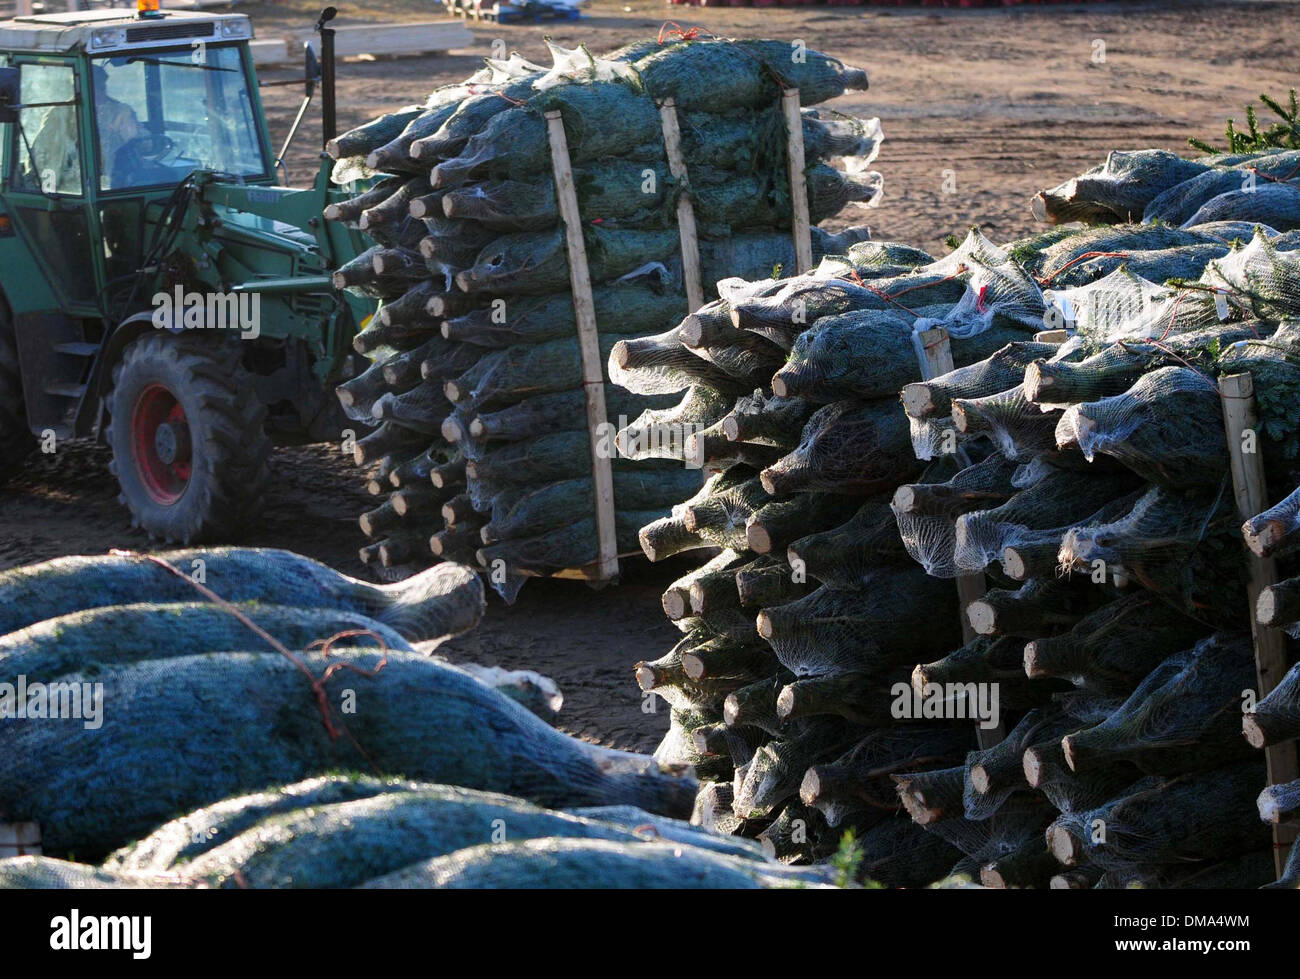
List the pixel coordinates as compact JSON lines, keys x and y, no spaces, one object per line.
{"x":980,"y":108}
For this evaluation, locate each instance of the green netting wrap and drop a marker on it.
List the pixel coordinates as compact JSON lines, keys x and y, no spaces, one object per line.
{"x":846,"y":448}
{"x":271,"y":730}
{"x":639,"y":304}
{"x":1155,"y":265}
{"x":530,"y":263}
{"x":1116,"y":191}
{"x":552,"y":506}
{"x":348,"y":842}
{"x":513,"y":146}
{"x":662,"y":433}
{"x":1167,"y":821}
{"x":865,"y":629}
{"x":641,"y":194}
{"x":1184,"y":716}
{"x":755,"y":72}
{"x":544,"y":413}
{"x":1060,"y":382}
{"x":1274,"y":204}
{"x":1057,"y":261}
{"x":1113,"y":648}
{"x":559,"y":863}
{"x":1175,"y":205}
{"x":47,"y":873}
{"x":39,"y":592}
{"x":1182,"y":545}
{"x":191,"y":836}
{"x":74,"y":643}
{"x":505,"y":377}
{"x":993,"y":774}
{"x":1059,"y":497}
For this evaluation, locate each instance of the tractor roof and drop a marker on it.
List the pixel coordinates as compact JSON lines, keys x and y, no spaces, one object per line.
{"x":103,"y":31}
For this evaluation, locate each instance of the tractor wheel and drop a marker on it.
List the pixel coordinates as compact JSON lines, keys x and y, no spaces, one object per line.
{"x":190,"y":450}
{"x":16,"y":439}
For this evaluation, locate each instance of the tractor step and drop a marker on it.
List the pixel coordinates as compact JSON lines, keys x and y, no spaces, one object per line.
{"x":65,"y":390}
{"x":77,"y":348}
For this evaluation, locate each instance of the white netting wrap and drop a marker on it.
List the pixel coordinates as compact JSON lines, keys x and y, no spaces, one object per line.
{"x":1259,"y":281}
{"x":995,"y":287}
{"x":1056,"y":500}
{"x":1167,"y":428}
{"x":926,"y":513}
{"x":664,"y":433}
{"x":1123,"y":305}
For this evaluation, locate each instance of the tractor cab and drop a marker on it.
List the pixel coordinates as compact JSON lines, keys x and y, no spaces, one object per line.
{"x":113,"y":112}
{"x":158,"y":289}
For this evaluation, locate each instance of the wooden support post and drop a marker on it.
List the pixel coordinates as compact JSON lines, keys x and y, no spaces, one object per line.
{"x":593,"y":369}
{"x":802,"y":223}
{"x":936,"y":359}
{"x":685,"y":209}
{"x":1240,"y":423}
{"x":20,"y":839}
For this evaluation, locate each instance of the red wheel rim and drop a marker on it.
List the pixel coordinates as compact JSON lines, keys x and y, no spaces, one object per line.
{"x":165,"y":481}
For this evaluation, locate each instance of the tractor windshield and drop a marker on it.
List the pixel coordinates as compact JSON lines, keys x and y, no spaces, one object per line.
{"x":162,"y":114}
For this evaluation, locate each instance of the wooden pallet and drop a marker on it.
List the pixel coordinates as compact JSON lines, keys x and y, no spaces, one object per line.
{"x":525,"y":12}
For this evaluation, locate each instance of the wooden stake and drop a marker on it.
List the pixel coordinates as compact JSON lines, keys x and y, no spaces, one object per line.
{"x":685,"y":209}
{"x":936,"y":359}
{"x":593,"y":374}
{"x":1240,"y":423}
{"x":20,"y":839}
{"x":798,"y":181}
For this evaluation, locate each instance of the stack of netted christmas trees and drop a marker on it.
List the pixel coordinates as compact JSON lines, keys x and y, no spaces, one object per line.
{"x":1076,"y":458}
{"x":475,"y":346}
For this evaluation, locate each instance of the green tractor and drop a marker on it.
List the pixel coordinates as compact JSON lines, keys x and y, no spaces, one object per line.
{"x":158,"y":289}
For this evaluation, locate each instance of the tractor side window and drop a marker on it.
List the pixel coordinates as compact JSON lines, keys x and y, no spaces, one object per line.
{"x":4,"y":129}
{"x":46,"y":144}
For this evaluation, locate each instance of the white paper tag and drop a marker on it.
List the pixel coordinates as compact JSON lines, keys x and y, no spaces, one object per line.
{"x":1221,"y":306}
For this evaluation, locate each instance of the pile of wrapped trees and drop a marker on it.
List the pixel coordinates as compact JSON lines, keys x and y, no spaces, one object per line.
{"x":1157,"y":187}
{"x":231,"y":670}
{"x":357,"y":830}
{"x":1071,"y":485}
{"x":479,"y":380}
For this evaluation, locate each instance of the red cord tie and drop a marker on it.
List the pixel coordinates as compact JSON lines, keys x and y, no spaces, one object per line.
{"x":687,"y":34}
{"x":1075,"y":261}
{"x":326,"y":646}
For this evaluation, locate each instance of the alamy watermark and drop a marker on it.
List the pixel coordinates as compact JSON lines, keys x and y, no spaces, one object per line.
{"x":239,"y":311}
{"x":947,"y":701}
{"x":53,"y":701}
{"x":662,"y":440}
{"x":102,"y":932}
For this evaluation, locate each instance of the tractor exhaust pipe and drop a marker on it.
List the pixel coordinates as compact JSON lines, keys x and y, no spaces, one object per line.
{"x":329,"y":122}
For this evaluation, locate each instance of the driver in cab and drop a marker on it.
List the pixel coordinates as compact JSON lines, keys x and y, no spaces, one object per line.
{"x":116,"y":121}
